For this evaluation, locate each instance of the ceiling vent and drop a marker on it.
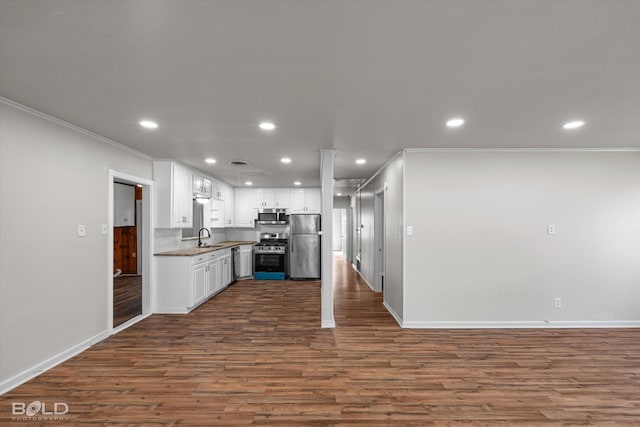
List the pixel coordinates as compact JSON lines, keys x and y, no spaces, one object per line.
{"x":238,"y":163}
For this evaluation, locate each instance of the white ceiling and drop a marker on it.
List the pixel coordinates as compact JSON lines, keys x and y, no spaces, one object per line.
{"x":364,"y":77}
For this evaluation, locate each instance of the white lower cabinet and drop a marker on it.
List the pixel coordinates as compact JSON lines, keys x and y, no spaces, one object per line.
{"x":224,"y":271}
{"x":246,"y":261}
{"x":184,"y":282}
{"x":213,"y":279}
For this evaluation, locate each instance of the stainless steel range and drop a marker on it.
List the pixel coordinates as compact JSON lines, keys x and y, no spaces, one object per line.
{"x":271,"y":256}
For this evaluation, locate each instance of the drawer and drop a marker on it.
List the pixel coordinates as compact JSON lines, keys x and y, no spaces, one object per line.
{"x":212,"y":255}
{"x":198,"y":259}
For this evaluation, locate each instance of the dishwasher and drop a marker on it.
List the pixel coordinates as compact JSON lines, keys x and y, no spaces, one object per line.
{"x":235,"y":262}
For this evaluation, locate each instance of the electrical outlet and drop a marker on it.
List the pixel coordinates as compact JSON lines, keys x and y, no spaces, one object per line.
{"x":551,"y":229}
{"x":409,"y":230}
{"x":557,"y":302}
{"x":81,"y":231}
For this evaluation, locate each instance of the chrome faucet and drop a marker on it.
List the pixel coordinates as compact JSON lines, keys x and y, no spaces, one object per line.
{"x":200,"y":235}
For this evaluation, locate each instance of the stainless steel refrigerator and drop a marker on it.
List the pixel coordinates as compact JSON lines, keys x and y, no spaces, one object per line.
{"x":304,"y":246}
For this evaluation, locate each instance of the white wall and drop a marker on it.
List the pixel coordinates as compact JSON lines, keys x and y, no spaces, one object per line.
{"x":392,"y":175}
{"x":480,"y":252}
{"x":53,"y":284}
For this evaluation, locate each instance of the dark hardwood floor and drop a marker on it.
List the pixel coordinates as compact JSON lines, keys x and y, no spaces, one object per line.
{"x":255,"y":355}
{"x":127,"y":298}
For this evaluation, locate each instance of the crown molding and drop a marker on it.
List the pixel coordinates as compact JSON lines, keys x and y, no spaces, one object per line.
{"x":71,"y":126}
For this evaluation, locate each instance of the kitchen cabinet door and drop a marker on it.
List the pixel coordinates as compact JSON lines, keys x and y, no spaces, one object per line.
{"x":246,"y":261}
{"x":212,"y":277}
{"x":225,"y":271}
{"x":229,"y":206}
{"x":263,"y":198}
{"x":245,"y":210}
{"x":172,"y":195}
{"x":297,"y":202}
{"x":199,"y":282}
{"x":312,"y":200}
{"x":305,"y":200}
{"x":201,"y":186}
{"x":282,"y":198}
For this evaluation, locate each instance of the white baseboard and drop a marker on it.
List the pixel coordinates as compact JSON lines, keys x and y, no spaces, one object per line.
{"x":518,"y":324}
{"x":393,"y":313}
{"x":130,"y":322}
{"x":51,"y":362}
{"x":328,"y":323}
{"x":171,"y":310}
{"x":363,"y":278}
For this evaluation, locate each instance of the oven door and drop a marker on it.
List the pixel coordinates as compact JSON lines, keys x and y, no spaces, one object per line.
{"x":269,"y":262}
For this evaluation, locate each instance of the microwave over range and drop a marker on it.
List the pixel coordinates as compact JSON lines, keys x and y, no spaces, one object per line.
{"x":272,"y":216}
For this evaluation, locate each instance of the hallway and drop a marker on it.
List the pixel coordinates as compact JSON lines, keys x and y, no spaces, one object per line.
{"x":255,"y":354}
{"x":355,"y":304}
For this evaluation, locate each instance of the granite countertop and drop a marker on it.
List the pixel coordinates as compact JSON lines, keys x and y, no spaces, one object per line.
{"x":204,"y":249}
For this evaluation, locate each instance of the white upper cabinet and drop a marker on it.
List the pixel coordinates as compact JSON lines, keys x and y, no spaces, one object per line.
{"x":263,"y":198}
{"x":216,"y":190}
{"x":313,"y":200}
{"x":282,"y":198}
{"x":201,"y":186}
{"x":271,"y":198}
{"x":173,"y":195}
{"x":245,"y":209}
{"x":229,"y":206}
{"x":305,"y":200}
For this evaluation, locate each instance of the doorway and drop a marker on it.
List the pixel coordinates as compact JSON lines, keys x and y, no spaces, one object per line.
{"x":339,"y":230}
{"x":130,"y":242}
{"x":378,"y":241}
{"x":127,"y":271}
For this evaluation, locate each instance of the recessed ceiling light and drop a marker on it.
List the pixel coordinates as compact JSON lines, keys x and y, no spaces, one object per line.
{"x":339,"y":194}
{"x":285,"y":160}
{"x":248,"y":183}
{"x":210,"y":160}
{"x":267,"y":126}
{"x":148,"y":124}
{"x":454,"y":123}
{"x":361,"y":161}
{"x":297,"y":183}
{"x":573,"y":125}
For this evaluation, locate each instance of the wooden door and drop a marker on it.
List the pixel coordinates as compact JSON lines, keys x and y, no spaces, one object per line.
{"x":125,"y":248}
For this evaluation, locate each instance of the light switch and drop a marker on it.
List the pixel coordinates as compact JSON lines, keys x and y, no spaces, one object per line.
{"x":81,"y":231}
{"x":409,"y":230}
{"x":104,"y":229}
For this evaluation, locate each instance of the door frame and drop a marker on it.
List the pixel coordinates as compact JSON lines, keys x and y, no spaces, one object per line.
{"x":378,"y":241}
{"x":146,"y":249}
